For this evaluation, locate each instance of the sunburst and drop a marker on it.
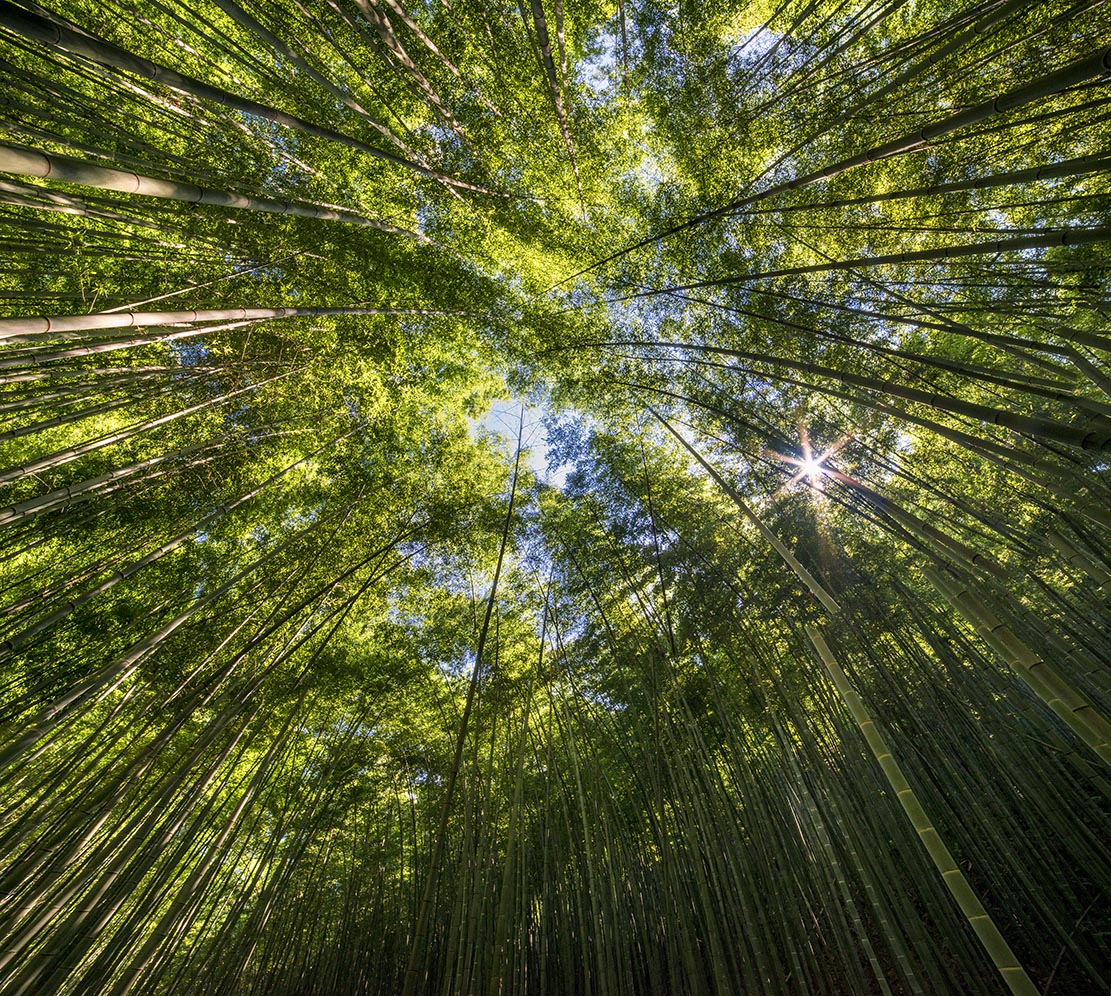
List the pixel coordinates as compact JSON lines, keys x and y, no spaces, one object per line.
{"x":811,"y":467}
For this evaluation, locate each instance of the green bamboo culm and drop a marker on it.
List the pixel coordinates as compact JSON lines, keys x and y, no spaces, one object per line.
{"x":1042,"y":678}
{"x":40,"y":165}
{"x":996,"y":947}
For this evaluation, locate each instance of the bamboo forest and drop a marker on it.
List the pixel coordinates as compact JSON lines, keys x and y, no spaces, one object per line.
{"x":555,"y":497}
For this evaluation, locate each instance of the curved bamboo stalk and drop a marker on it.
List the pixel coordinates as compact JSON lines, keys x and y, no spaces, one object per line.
{"x":432,"y":871}
{"x":1076,"y":236}
{"x":1042,"y":678}
{"x":30,"y":162}
{"x":12,"y":329}
{"x":1094,"y":65}
{"x":56,"y":33}
{"x":1086,"y":439}
{"x":996,"y":948}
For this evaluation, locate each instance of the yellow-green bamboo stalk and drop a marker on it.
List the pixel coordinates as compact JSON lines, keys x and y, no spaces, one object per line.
{"x":1014,"y":975}
{"x":32,"y":162}
{"x":58,"y":34}
{"x":1078,"y":559}
{"x":13,"y":329}
{"x":413,"y":975}
{"x":1042,"y":678}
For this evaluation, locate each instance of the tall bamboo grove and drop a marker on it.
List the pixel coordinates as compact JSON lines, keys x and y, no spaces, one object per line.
{"x":555,"y":498}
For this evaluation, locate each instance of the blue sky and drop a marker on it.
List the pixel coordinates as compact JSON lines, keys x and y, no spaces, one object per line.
{"x":501,"y":421}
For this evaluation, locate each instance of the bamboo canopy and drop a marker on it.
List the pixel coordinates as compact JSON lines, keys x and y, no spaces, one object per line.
{"x":555,"y":498}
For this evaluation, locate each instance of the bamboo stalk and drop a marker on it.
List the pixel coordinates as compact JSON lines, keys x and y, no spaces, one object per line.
{"x":996,"y":948}
{"x":31,"y":162}
{"x":1042,"y":678}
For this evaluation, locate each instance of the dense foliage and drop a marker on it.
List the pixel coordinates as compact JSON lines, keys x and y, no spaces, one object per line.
{"x":789,"y":675}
